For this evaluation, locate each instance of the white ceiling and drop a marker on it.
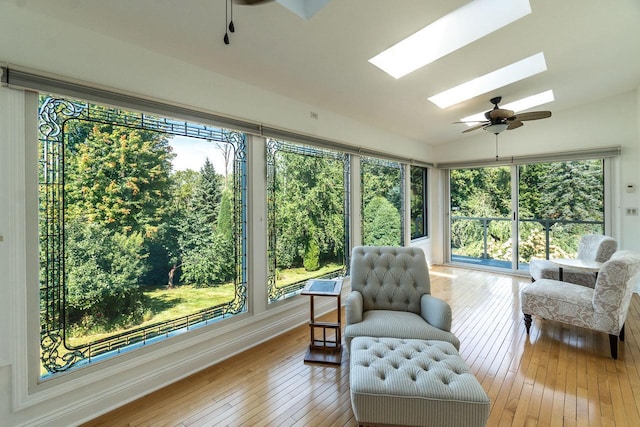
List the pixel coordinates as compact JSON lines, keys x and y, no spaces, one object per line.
{"x":592,"y":49}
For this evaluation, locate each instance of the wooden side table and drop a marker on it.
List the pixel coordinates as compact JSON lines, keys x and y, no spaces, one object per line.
{"x":324,"y":348}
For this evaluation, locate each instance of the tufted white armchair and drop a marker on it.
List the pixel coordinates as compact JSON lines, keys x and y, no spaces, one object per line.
{"x":592,"y":247}
{"x":390,"y":297}
{"x":602,"y":308}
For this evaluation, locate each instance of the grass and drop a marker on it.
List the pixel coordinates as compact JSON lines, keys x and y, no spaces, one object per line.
{"x":295,"y":275}
{"x":162,"y":304}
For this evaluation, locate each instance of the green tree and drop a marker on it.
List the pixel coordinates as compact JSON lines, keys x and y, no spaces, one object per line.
{"x":103,"y":281}
{"x":117,"y":192}
{"x":224,"y":239}
{"x":199,"y":244}
{"x":309,"y":191}
{"x":381,"y":226}
{"x":119,"y":177}
{"x":380,"y":180}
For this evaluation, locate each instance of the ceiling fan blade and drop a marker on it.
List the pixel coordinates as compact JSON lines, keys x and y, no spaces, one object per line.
{"x":533,"y":115}
{"x":514,"y":124}
{"x":470,"y":121}
{"x":500,"y":113}
{"x":474,"y":128}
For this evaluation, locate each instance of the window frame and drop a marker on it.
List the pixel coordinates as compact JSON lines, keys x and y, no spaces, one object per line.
{"x":425,"y":209}
{"x":401,"y":190}
{"x":53,"y":114}
{"x":273,"y":146}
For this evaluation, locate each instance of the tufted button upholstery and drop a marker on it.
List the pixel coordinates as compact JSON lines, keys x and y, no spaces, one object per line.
{"x":414,"y":382}
{"x":390,"y":297}
{"x":390,"y":278}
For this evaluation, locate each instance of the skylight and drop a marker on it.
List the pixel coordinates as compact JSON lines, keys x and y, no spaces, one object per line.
{"x":517,"y":106}
{"x":449,"y":33}
{"x":304,"y":8}
{"x":506,"y":75}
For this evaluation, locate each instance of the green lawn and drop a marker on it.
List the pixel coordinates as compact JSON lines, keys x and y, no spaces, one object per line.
{"x":162,"y":304}
{"x":295,"y":275}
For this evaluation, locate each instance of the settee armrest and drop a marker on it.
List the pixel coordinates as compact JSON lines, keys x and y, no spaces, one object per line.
{"x":353,"y":307}
{"x":436,"y":312}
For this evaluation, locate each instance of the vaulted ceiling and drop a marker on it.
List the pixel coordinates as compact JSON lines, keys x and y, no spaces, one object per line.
{"x":592,"y":50}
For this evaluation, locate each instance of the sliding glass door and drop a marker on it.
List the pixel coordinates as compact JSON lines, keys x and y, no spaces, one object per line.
{"x":504,"y":216}
{"x":480,"y":225}
{"x":557,"y":204}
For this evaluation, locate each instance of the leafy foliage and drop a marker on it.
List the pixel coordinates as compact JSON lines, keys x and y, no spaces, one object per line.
{"x":381,"y":226}
{"x":381,"y":222}
{"x":309,"y":210}
{"x":103,"y":267}
{"x":551,"y":196}
{"x":119,"y":177}
{"x":132,"y":222}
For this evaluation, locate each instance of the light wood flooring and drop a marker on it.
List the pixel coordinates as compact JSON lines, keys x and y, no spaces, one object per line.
{"x":558,"y":376}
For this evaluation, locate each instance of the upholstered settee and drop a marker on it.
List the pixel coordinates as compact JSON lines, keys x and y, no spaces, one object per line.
{"x":390,"y":297}
{"x":592,"y":247}
{"x":601,"y":308}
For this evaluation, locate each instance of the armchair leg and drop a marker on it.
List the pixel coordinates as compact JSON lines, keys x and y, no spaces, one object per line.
{"x":622,"y":333}
{"x":613,"y":343}
{"x":527,"y":322}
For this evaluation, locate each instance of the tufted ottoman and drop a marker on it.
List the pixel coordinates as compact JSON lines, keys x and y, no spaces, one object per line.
{"x":413,"y":383}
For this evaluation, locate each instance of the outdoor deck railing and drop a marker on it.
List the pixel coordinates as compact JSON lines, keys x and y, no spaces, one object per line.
{"x":546,"y":224}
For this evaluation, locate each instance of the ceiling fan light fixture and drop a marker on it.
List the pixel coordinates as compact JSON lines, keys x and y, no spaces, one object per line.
{"x":496,"y":128}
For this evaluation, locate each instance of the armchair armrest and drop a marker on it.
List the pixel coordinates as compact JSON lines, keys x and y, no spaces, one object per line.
{"x":436,"y":312}
{"x":353,"y":307}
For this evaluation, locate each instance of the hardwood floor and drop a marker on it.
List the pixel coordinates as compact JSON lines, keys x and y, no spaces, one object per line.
{"x":558,"y":376}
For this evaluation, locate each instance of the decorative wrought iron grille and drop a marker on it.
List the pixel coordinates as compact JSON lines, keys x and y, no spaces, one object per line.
{"x":274,"y":149}
{"x":55,"y":116}
{"x":374,"y":165}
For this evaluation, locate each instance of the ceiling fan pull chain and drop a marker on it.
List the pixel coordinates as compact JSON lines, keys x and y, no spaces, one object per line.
{"x":232,"y":28}
{"x":496,"y":147}
{"x":226,"y":20}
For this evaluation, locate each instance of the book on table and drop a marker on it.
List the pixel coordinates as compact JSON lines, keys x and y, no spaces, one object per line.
{"x":322,"y":286}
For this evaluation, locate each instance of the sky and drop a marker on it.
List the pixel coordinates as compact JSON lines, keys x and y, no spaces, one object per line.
{"x":191,"y":153}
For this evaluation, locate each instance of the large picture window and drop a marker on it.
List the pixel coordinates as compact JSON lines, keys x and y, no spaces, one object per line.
{"x":307,"y":209}
{"x":382,"y":184}
{"x":141,"y":226}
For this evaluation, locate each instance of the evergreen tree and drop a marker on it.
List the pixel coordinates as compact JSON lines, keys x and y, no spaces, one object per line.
{"x":197,"y":230}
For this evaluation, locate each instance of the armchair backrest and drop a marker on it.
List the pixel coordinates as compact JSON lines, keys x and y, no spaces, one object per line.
{"x":596,"y":247}
{"x":389,"y":277}
{"x":612,"y":293}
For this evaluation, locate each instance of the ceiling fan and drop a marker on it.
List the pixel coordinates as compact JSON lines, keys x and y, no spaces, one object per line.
{"x":500,"y":119}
